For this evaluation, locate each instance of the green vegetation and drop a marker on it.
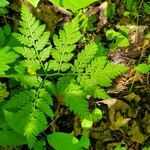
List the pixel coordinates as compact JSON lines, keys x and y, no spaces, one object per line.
{"x":65,"y":88}
{"x":3,"y":4}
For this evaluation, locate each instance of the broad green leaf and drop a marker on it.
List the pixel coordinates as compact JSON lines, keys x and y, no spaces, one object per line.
{"x":124,"y":30}
{"x":122,"y":41}
{"x":97,"y":114}
{"x":111,"y":34}
{"x":142,"y":68}
{"x":34,"y":2}
{"x":73,"y":5}
{"x":39,"y":145}
{"x":118,"y":147}
{"x":85,"y":142}
{"x":11,"y":138}
{"x":87,"y":122}
{"x":65,"y":141}
{"x":147,"y":35}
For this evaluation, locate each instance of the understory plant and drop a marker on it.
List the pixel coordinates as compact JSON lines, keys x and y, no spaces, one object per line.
{"x":45,"y":73}
{"x":119,"y":39}
{"x":3,"y":9}
{"x":143,"y":68}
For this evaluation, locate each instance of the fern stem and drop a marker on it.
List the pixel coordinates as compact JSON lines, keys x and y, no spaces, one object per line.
{"x":45,"y":75}
{"x":56,"y":116}
{"x":61,"y":61}
{"x":38,"y":92}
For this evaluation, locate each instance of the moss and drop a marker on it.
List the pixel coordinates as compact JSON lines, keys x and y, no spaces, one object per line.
{"x":120,"y":113}
{"x":136,"y":134}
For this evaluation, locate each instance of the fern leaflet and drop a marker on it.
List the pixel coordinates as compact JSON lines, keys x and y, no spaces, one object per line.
{"x":24,"y":108}
{"x":85,"y":57}
{"x":6,"y":57}
{"x":73,"y":96}
{"x":95,"y":72}
{"x":64,"y":46}
{"x":36,"y":47}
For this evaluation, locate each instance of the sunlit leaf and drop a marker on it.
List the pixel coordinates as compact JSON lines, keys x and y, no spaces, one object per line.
{"x":142,"y":68}
{"x":87,"y":123}
{"x":34,"y":2}
{"x":147,"y":35}
{"x":59,"y":140}
{"x":97,"y":114}
{"x":73,"y":5}
{"x":122,"y":41}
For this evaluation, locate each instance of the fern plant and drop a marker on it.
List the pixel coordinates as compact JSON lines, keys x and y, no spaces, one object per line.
{"x":35,"y":47}
{"x":95,"y":71}
{"x":3,"y":9}
{"x":64,"y":46}
{"x":32,"y":105}
{"x":143,"y":68}
{"x":29,"y":111}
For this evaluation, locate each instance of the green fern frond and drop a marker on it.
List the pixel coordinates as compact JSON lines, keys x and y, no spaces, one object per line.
{"x":44,"y":102}
{"x":86,"y":80}
{"x":64,"y":46}
{"x":29,"y":81}
{"x":26,"y":52}
{"x":100,"y":93}
{"x":98,"y":74}
{"x":111,"y":71}
{"x":75,"y":100}
{"x":61,"y":85}
{"x":35,"y":42}
{"x":19,"y":100}
{"x":32,"y":65}
{"x":45,"y":53}
{"x":73,"y":96}
{"x":85,"y":57}
{"x":6,"y":57}
{"x":50,"y":87}
{"x":36,"y":123}
{"x":24,"y":114}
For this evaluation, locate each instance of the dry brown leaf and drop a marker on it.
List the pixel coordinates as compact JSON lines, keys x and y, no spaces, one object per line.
{"x":110,"y":102}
